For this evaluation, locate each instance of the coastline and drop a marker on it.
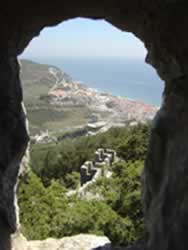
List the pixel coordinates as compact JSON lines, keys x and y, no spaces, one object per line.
{"x":55,"y":102}
{"x":119,"y":76}
{"x":111,"y":94}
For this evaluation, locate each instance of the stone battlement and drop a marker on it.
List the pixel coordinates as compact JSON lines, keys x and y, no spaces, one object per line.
{"x":103,"y":159}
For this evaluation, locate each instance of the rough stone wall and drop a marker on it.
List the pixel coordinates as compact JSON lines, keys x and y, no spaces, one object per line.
{"x":165,"y":174}
{"x":162,"y":26}
{"x":78,"y":242}
{"x":13,"y":142}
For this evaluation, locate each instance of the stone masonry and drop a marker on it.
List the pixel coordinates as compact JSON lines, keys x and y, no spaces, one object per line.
{"x":104,"y":158}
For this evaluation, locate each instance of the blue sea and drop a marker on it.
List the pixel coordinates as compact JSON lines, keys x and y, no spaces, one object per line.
{"x":128,"y":78}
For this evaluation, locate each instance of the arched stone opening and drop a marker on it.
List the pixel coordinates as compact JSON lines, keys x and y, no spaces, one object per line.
{"x":85,"y":49}
{"x":160,"y":25}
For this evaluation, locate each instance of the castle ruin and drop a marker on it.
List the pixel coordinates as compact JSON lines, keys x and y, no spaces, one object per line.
{"x":104,"y":158}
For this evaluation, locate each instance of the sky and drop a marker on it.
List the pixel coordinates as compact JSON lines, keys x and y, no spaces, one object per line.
{"x":85,"y":38}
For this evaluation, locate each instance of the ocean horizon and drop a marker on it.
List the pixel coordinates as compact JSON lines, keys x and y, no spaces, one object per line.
{"x":133,"y":78}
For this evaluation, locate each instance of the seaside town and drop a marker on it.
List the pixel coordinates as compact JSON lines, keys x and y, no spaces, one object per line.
{"x":68,"y":105}
{"x":106,"y":108}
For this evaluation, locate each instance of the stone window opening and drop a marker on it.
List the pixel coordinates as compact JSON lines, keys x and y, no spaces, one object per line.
{"x":158,"y":26}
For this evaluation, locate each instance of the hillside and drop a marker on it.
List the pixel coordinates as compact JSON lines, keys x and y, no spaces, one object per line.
{"x":56,"y":103}
{"x":51,"y":204}
{"x":110,"y":205}
{"x":37,"y":80}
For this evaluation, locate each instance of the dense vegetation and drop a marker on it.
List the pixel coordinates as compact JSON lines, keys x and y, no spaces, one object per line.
{"x":47,"y":211}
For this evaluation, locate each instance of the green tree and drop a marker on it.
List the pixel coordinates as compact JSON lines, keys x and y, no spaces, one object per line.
{"x":39,"y":206}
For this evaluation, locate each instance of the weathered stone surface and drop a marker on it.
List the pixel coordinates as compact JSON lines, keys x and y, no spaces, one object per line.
{"x":13,"y":142}
{"x":79,"y":242}
{"x":165,"y":175}
{"x":161,"y":25}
